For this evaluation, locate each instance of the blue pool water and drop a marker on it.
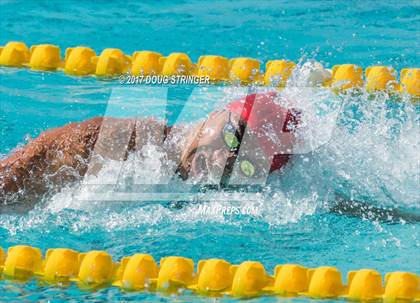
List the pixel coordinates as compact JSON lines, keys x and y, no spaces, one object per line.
{"x":372,"y":155}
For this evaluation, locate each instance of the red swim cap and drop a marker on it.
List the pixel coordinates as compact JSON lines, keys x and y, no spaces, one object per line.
{"x":270,"y":123}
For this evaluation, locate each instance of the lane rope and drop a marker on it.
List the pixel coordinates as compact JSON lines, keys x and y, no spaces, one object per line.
{"x":213,"y":277}
{"x":112,"y":62}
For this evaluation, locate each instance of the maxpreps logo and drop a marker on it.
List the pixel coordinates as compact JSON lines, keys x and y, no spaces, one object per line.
{"x":157,"y":146}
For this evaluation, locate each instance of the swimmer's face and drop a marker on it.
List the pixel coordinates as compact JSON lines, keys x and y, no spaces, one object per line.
{"x":207,"y":157}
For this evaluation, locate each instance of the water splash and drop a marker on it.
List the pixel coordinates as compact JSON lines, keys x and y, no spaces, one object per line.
{"x":366,"y":150}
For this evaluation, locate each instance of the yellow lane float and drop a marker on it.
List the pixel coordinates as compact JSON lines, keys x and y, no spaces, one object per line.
{"x":216,"y":67}
{"x":364,"y":285}
{"x":244,"y":70}
{"x":136,"y":272}
{"x":175,"y":272}
{"x":14,"y":54}
{"x":346,"y":76}
{"x":112,"y":62}
{"x":22,"y":262}
{"x":410,"y":81}
{"x":177,"y":64}
{"x":146,"y":63}
{"x":277,"y":72}
{"x":61,"y":265}
{"x":290,"y":280}
{"x":380,"y":78}
{"x":96,"y":269}
{"x":402,"y":286}
{"x":2,"y":259}
{"x":45,"y":57}
{"x":250,"y":279}
{"x":214,"y":277}
{"x":80,"y":61}
{"x":326,"y":282}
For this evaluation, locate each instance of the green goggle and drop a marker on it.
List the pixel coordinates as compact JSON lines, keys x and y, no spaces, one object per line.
{"x":232,"y":141}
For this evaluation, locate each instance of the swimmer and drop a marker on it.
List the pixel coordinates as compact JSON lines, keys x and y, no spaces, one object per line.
{"x":210,"y":148}
{"x":254,"y":131}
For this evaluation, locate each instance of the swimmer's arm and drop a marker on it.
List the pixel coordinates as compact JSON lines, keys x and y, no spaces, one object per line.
{"x":31,"y":169}
{"x":62,"y":155}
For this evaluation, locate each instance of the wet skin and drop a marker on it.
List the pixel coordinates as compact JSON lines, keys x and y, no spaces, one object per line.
{"x":63,"y":155}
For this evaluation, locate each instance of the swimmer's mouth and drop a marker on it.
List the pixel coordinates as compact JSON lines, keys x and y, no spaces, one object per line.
{"x":199,"y":169}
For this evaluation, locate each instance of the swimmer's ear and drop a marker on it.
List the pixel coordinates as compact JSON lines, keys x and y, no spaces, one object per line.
{"x":68,"y":52}
{"x":268,"y":64}
{"x":403,"y":72}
